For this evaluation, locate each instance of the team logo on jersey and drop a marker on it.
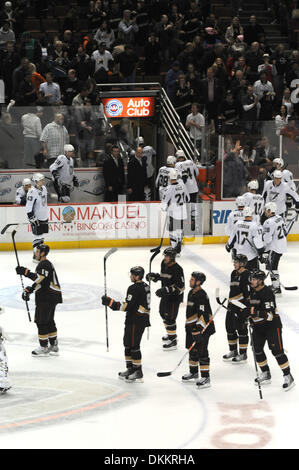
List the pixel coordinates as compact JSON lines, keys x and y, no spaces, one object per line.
{"x":114,"y":108}
{"x":68,"y":214}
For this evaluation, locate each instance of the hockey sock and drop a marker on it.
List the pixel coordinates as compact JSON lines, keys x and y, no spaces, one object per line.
{"x":232,"y":339}
{"x":243,"y":343}
{"x":275,"y":279}
{"x":171,"y":331}
{"x":261,"y":359}
{"x":283,"y":363}
{"x":204,"y":364}
{"x":43,"y":335}
{"x":128,"y":358}
{"x":53,"y":338}
{"x":193,"y":367}
{"x":136,"y":358}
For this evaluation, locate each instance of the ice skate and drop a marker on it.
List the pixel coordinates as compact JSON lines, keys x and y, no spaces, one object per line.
{"x":264,"y":378}
{"x":239,"y":359}
{"x":229,"y":356}
{"x":204,"y":382}
{"x":288,"y":382}
{"x":40,"y":352}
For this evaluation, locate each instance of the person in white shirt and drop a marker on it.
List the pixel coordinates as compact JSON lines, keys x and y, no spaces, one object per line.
{"x":277,"y":191}
{"x":275,"y":239}
{"x":174,"y":203}
{"x":62,"y":171}
{"x":246,"y":238}
{"x":254,"y":200}
{"x":189,"y":173}
{"x":37,"y":210}
{"x":51,"y":89}
{"x":162,"y":180}
{"x":195,"y":123}
{"x":102,"y":62}
{"x":32,"y":130}
{"x":21,"y":192}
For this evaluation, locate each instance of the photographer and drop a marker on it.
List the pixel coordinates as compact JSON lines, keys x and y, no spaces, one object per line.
{"x":127,"y":27}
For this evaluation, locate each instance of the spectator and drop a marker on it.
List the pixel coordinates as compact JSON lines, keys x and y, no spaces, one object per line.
{"x":254,"y":58}
{"x":32,"y":130}
{"x":210,"y":37}
{"x":211,"y":55}
{"x":286,"y":100}
{"x":51,"y":89}
{"x":127,"y":63}
{"x":195,"y":123}
{"x":171,"y":79}
{"x":263,"y":86}
{"x":247,"y":154}
{"x":8,"y":15}
{"x":220,"y":72}
{"x":164,"y":31}
{"x":26,"y":95}
{"x":193,"y":77}
{"x":114,"y":175}
{"x":250,"y":110}
{"x":183,"y":97}
{"x":234,"y":173}
{"x":53,"y":138}
{"x":152,"y":55}
{"x":127,"y":28}
{"x":238,"y":86}
{"x":186,"y":56}
{"x":240,"y":64}
{"x":71,"y":87}
{"x":105,"y":34}
{"x":269,"y":69}
{"x":253,"y":32}
{"x":292,"y":74}
{"x":261,"y":178}
{"x":6,"y":34}
{"x":265,"y":153}
{"x":137,"y":179}
{"x":10,"y":62}
{"x":281,"y":62}
{"x":103,"y":62}
{"x":229,"y":113}
{"x":37,"y":78}
{"x":95,"y":15}
{"x":281,"y":119}
{"x":70,"y":45}
{"x":80,"y":97}
{"x":211,"y":95}
{"x":31,"y":48}
{"x":86,"y":121}
{"x":193,"y":20}
{"x":233,"y":31}
{"x":83,"y":64}
{"x":198,"y":52}
{"x":238,"y":48}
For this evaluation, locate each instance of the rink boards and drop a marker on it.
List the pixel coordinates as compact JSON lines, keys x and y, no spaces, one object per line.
{"x":116,"y":224}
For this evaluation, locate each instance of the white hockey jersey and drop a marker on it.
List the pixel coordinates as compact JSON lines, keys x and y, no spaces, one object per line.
{"x":21,"y":196}
{"x":149,"y":153}
{"x":188,"y":168}
{"x":65,"y":168}
{"x":247,"y":238}
{"x":162,"y":180}
{"x":287,"y":177}
{"x":256,"y":202}
{"x":174,"y":200}
{"x":274,"y":234}
{"x":36,"y":204}
{"x":278,"y":194}
{"x":233,"y":217}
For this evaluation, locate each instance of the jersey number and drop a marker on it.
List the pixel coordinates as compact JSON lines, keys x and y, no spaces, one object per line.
{"x":242,"y":237}
{"x":180,"y":199}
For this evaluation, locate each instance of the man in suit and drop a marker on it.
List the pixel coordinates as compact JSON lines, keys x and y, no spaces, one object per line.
{"x":114,"y":175}
{"x":137,"y":176}
{"x":212,"y":94}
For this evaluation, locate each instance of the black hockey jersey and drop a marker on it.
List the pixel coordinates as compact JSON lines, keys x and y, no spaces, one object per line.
{"x":47,"y":287}
{"x":173,"y":276}
{"x":137,"y":303}
{"x":199,"y":312}
{"x":239,"y":288}
{"x":263,"y":307}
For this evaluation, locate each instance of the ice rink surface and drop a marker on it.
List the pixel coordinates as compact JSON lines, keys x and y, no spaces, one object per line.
{"x":76,"y":401}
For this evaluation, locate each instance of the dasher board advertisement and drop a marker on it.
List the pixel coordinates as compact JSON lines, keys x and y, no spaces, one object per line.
{"x":129,"y":107}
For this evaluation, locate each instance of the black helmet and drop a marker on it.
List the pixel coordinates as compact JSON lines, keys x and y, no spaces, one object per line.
{"x":258,"y":274}
{"x":137,"y":271}
{"x":198,"y":276}
{"x":171,"y":252}
{"x":241,"y":259}
{"x":43,"y":248}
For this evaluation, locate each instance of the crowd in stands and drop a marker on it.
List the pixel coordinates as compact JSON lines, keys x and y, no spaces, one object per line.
{"x":229,"y":71}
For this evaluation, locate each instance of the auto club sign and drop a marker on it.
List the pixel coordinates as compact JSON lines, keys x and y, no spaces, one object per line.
{"x":129,"y":107}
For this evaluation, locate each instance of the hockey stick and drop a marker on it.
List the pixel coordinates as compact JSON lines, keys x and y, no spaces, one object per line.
{"x":79,"y":189}
{"x":291,"y":223}
{"x":155,"y":253}
{"x":28,"y":223}
{"x":167,"y":374}
{"x":109,"y":253}
{"x":21,"y":277}
{"x":255,"y":364}
{"x":161,"y":241}
{"x":277,"y":278}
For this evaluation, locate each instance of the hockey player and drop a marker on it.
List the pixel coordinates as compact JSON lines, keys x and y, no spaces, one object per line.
{"x":22,"y":191}
{"x":236,"y":327}
{"x":198,"y":314}
{"x":47,"y":295}
{"x":254,"y":200}
{"x":62,"y":171}
{"x":287,"y":175}
{"x":162,"y":180}
{"x":189,"y":173}
{"x":171,"y":294}
{"x":236,"y":214}
{"x":174,"y":202}
{"x":266,"y":326}
{"x":246,"y":238}
{"x":137,"y":308}
{"x":277,"y":191}
{"x":4,"y":382}
{"x":274,"y":236}
{"x":37,"y":210}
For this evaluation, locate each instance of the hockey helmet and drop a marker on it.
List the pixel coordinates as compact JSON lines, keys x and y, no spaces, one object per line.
{"x":240,"y":201}
{"x":26,"y":181}
{"x":247,"y":211}
{"x":258,"y":274}
{"x":140,"y":140}
{"x":171,"y":252}
{"x":277,"y":174}
{"x":241,"y":259}
{"x":271,"y":206}
{"x":171,"y":160}
{"x":180,"y":154}
{"x":198,"y":276}
{"x":253,"y":184}
{"x":68,"y":148}
{"x":43,"y":249}
{"x":173,"y":175}
{"x":279,"y":161}
{"x":37,"y":177}
{"x":137,"y":271}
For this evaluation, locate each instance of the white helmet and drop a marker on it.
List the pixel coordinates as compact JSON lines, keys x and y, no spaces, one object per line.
{"x":248,"y":211}
{"x":240,"y":201}
{"x":180,"y":154}
{"x":253,"y":184}
{"x":26,"y":181}
{"x":277,"y":174}
{"x":140,"y":140}
{"x":271,"y":206}
{"x":37,"y":177}
{"x":68,"y":148}
{"x":171,"y":160}
{"x":173,"y":175}
{"x":279,"y":161}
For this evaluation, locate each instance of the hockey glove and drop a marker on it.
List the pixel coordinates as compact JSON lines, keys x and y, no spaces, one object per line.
{"x":167,"y":290}
{"x":26,"y":293}
{"x":155,"y":277}
{"x":297,"y":207}
{"x":21,"y":270}
{"x":75,"y":181}
{"x":34,"y":224}
{"x":243,"y":315}
{"x":264,"y":257}
{"x":110,"y":303}
{"x":228,"y":247}
{"x":289,"y":202}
